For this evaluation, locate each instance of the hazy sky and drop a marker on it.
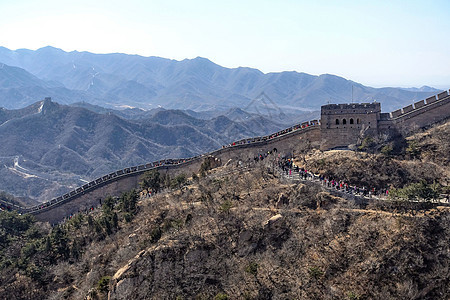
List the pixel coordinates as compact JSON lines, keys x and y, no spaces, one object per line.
{"x":377,"y":43}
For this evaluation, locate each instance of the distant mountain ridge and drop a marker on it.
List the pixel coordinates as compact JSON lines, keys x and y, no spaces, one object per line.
{"x":422,"y":89}
{"x":114,"y":80}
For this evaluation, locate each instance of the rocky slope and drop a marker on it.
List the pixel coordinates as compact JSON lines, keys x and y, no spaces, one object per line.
{"x":236,"y":234}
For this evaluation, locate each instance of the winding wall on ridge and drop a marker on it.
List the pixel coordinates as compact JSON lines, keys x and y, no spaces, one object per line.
{"x":422,"y":113}
{"x":82,"y":199}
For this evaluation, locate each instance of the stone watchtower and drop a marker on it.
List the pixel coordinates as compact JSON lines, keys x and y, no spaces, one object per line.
{"x":342,"y":124}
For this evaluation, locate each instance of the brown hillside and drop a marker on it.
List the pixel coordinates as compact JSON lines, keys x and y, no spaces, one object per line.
{"x":242,"y":235}
{"x":434,"y":144}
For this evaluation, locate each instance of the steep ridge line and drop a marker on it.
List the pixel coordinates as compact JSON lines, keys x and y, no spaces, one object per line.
{"x":166,"y":164}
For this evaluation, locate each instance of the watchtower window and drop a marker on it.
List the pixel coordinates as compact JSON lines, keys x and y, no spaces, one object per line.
{"x":337,"y":121}
{"x":351,"y":121}
{"x":358,"y":121}
{"x":344,"y":121}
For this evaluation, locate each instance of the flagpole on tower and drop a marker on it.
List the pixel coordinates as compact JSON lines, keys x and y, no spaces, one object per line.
{"x":352,"y":93}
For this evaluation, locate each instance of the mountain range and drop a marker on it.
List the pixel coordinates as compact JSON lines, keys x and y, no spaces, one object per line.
{"x":117,"y":110}
{"x":48,"y":148}
{"x":119,"y":80}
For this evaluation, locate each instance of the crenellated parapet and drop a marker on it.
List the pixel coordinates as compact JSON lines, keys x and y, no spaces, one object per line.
{"x":444,"y":96}
{"x":351,"y":108}
{"x":422,"y":113}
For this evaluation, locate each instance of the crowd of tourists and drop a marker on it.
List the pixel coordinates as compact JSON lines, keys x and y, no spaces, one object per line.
{"x":262,"y":156}
{"x":288,"y":167}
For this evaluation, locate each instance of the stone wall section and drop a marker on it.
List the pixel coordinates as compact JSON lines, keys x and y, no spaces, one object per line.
{"x":419,"y":104}
{"x":84,"y":202}
{"x":424,"y":114}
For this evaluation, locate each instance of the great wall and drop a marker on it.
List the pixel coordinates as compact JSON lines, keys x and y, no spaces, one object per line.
{"x":340,"y":126}
{"x":343,"y":124}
